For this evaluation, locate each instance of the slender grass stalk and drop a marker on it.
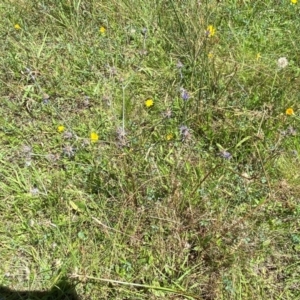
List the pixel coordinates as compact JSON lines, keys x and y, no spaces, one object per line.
{"x":123,"y":107}
{"x":145,"y":286}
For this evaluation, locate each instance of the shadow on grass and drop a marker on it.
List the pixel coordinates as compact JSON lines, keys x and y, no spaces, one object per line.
{"x":62,"y":291}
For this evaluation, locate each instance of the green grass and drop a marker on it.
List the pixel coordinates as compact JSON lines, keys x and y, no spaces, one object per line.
{"x":152,"y":210}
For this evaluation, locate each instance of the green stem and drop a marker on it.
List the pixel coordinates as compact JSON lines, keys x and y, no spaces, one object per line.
{"x":146,"y":286}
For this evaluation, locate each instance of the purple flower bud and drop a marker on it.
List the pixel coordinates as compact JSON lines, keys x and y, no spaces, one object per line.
{"x":184,"y":94}
{"x":184,"y":132}
{"x":225,"y":154}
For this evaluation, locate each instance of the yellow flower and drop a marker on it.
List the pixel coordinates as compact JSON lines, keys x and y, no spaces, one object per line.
{"x":210,"y":55}
{"x":60,"y":128}
{"x":210,"y":31}
{"x":294,"y":1}
{"x":17,"y":27}
{"x":289,"y":111}
{"x":149,"y":102}
{"x":169,"y":136}
{"x":102,"y":29}
{"x":258,"y":56}
{"x":94,"y":137}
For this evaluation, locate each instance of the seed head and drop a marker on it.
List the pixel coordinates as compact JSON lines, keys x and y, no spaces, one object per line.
{"x":69,"y":151}
{"x":282,"y":62}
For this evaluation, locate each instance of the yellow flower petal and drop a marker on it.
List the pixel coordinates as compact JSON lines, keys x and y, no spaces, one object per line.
{"x":102,"y":29}
{"x":94,"y":137}
{"x":60,"y":128}
{"x":258,"y":56}
{"x":149,"y":102}
{"x":289,"y":111}
{"x":169,"y":136}
{"x":17,"y":27}
{"x":210,"y":31}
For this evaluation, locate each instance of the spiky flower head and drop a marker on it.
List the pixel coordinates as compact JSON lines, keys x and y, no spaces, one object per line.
{"x":149,"y":102}
{"x":168,"y":113}
{"x":184,"y":94}
{"x":69,"y":151}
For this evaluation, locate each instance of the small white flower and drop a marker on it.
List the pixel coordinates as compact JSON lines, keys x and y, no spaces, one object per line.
{"x":68,"y":135}
{"x":27,"y":149}
{"x":28,"y":161}
{"x":282,"y":62}
{"x":31,"y":222}
{"x":132,"y":31}
{"x":179,"y":64}
{"x":34,"y":191}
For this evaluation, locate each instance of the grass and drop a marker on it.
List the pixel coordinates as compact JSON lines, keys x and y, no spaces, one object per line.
{"x":193,"y":197}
